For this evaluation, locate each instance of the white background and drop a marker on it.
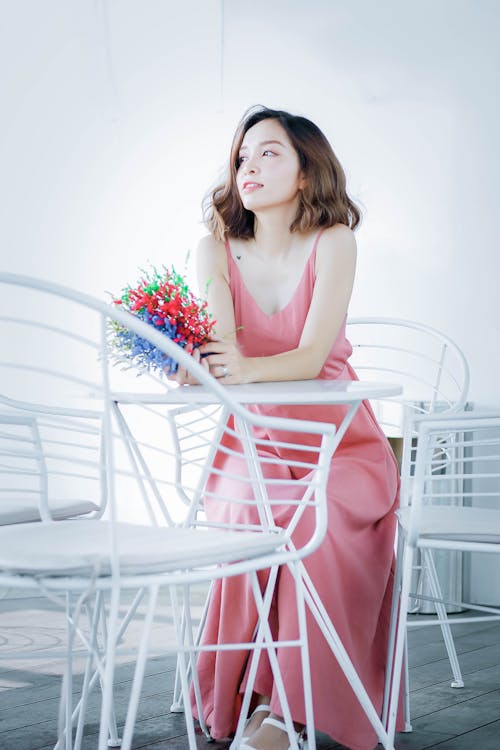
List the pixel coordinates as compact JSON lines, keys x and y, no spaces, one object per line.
{"x":116,"y":116}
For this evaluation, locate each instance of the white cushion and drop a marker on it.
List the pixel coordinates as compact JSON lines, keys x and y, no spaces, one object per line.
{"x":456,"y":522}
{"x":21,"y":510}
{"x":76,"y":546}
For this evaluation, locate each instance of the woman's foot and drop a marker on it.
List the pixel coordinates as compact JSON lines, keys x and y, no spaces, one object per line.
{"x":271,"y":735}
{"x":260,"y":712}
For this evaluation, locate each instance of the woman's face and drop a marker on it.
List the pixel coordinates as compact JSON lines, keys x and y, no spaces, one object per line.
{"x":268,"y":174}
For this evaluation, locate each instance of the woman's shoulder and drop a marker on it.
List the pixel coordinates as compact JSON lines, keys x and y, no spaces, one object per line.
{"x":211,"y":249}
{"x":211,"y":256}
{"x":338,"y":234}
{"x":339,"y":238}
{"x":209,"y":244}
{"x":336,"y":244}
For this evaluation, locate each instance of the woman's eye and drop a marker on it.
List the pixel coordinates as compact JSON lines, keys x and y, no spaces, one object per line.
{"x":241,"y":159}
{"x":269,"y":153}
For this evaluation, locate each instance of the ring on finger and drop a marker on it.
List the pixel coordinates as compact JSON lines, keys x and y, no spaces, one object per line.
{"x":225,"y":371}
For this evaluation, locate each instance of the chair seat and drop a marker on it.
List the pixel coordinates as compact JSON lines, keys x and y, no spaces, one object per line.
{"x":70,"y":546}
{"x":22,"y":510}
{"x":456,"y":522}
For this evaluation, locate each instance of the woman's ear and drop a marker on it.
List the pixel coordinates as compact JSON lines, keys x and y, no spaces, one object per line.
{"x":302,"y":181}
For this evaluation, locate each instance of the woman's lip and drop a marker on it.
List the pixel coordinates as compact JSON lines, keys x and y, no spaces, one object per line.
{"x":249,"y":186}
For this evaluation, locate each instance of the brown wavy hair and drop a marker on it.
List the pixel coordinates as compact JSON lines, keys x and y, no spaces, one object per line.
{"x":323,"y":201}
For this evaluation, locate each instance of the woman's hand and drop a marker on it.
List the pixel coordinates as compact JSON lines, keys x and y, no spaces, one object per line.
{"x":224,"y":361}
{"x":182,"y":376}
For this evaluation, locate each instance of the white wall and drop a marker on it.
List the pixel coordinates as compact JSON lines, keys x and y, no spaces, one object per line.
{"x":116,"y":116}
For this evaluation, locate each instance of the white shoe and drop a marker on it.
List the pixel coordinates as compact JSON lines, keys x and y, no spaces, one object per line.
{"x":258,"y":709}
{"x":299,"y":736}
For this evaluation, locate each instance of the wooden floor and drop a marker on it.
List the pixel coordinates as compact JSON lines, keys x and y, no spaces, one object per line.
{"x":442,"y":717}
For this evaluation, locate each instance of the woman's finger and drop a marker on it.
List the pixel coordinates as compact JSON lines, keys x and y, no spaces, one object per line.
{"x":214,"y":360}
{"x":216,"y":347}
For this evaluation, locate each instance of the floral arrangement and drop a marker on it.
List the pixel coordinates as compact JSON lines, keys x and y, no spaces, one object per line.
{"x":163,"y":300}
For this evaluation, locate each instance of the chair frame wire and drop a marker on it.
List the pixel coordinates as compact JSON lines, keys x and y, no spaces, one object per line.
{"x":434,"y":371}
{"x":432,"y":430}
{"x":90,"y":586}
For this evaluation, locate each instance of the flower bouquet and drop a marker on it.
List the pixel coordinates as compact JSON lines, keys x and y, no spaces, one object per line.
{"x":163,"y":300}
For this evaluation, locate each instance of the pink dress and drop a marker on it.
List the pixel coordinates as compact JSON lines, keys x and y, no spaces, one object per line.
{"x":352,"y":569}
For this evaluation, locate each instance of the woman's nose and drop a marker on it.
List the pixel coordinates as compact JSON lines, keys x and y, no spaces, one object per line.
{"x":250,"y":165}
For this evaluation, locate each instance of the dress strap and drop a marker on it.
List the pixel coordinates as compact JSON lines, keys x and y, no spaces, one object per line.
{"x":312,"y":257}
{"x":234,"y":278}
{"x":316,"y":240}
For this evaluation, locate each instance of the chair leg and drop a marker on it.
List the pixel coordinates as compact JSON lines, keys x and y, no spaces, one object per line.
{"x":81,"y":707}
{"x":306,"y":669}
{"x":107,"y":684}
{"x":177,"y":706}
{"x":318,"y":611}
{"x":264,"y":639}
{"x":399,"y":650}
{"x":114,"y":740}
{"x":406,"y":677}
{"x":395,"y":604}
{"x":192,"y":674}
{"x":430,"y":567}
{"x":255,"y":656}
{"x":140,"y":666}
{"x":183,"y":667}
{"x":66,"y":706}
{"x":67,"y":715}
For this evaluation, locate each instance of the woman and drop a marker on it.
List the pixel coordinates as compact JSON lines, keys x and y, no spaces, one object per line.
{"x":280,"y":259}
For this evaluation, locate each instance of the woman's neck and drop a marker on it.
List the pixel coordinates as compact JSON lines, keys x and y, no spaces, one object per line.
{"x":272,"y":231}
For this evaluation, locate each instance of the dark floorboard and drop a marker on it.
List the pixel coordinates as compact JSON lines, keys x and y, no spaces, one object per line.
{"x":442,"y":717}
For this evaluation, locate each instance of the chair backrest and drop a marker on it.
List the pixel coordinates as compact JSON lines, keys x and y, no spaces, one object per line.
{"x":56,"y":369}
{"x":457,"y":466}
{"x":428,"y":364}
{"x":430,"y":367}
{"x":49,"y":467}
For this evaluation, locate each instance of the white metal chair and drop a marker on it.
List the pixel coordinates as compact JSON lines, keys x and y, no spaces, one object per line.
{"x":40,"y":453}
{"x":49,"y":464}
{"x":434,"y":374}
{"x":136,"y":545}
{"x":454,"y":506}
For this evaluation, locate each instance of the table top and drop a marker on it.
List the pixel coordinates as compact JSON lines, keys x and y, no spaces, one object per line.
{"x":283,"y":392}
